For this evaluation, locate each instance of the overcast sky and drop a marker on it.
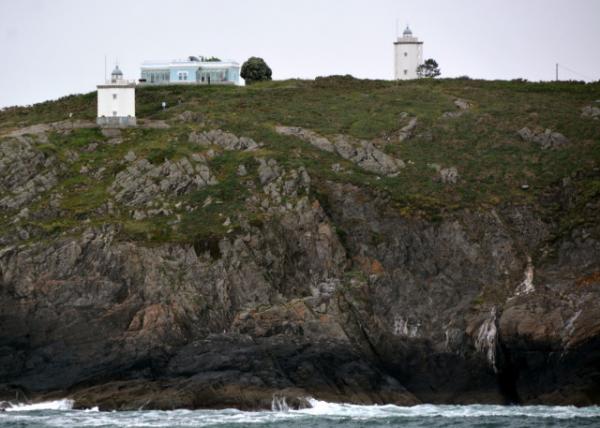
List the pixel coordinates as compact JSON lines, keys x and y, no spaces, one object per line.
{"x":51,"y":48}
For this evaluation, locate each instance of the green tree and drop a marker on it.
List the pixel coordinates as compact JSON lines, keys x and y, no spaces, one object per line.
{"x":255,"y":70}
{"x":429,"y":68}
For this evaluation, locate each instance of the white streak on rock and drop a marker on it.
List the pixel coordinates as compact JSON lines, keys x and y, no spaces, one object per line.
{"x":487,"y":338}
{"x":526,"y":286}
{"x":570,"y":324}
{"x":404,"y":328}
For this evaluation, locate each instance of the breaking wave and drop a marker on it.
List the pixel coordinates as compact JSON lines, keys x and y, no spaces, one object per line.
{"x":322,"y":414}
{"x":65,"y":404}
{"x":324,"y":408}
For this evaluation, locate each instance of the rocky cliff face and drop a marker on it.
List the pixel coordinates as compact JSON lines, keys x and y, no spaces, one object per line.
{"x":321,"y":288}
{"x":388,"y":309}
{"x":458,"y":311}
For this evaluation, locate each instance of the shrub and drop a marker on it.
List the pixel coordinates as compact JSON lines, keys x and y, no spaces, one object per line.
{"x":429,"y":68}
{"x":255,"y":70}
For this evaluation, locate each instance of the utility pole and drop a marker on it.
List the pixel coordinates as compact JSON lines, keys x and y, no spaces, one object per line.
{"x":557,"y":71}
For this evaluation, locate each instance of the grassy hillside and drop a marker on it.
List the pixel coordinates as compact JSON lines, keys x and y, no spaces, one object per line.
{"x":492,"y":161}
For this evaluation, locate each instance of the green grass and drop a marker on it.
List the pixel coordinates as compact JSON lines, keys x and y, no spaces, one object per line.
{"x":82,"y":107}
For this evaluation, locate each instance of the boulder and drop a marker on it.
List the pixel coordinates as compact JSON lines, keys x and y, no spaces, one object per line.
{"x":462,"y":104}
{"x":448,"y":175}
{"x":189,"y":117}
{"x":130,"y":156}
{"x":452,"y":114}
{"x":592,"y":112}
{"x":407,"y":130}
{"x":267,"y":170}
{"x":526,"y":134}
{"x":337,"y":168}
{"x":546,"y":139}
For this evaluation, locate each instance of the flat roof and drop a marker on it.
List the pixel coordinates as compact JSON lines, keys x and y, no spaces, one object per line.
{"x":183,"y":64}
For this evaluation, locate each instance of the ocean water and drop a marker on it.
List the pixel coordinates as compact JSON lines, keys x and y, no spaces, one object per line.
{"x":321,"y":415}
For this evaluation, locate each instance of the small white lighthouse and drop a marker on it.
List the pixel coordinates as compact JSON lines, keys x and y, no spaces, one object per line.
{"x":116,"y":101}
{"x":409,"y":55}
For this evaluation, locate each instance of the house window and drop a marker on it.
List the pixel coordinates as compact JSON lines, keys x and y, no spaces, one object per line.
{"x":405,"y":72}
{"x":405,"y":53}
{"x":114,"y":96}
{"x":182,"y":75}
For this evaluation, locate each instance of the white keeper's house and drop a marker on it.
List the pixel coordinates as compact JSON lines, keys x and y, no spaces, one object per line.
{"x":116,"y":101}
{"x":408,"y":56}
{"x":195,"y":70}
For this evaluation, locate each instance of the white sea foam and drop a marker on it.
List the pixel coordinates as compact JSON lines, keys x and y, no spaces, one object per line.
{"x":60,"y":414}
{"x":64,"y":404}
{"x":323,"y":408}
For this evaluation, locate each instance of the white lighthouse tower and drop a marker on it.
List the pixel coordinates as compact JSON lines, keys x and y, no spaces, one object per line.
{"x":409,"y":55}
{"x":116,"y":101}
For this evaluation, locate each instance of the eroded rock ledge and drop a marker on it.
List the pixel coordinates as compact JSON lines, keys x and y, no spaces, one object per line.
{"x":362,"y":153}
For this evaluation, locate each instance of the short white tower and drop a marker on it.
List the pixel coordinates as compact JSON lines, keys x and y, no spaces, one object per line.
{"x":409,"y":55}
{"x":116,"y":101}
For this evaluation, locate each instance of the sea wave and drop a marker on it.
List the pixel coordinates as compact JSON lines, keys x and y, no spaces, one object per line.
{"x":323,"y":408}
{"x":60,"y":413}
{"x":64,"y":404}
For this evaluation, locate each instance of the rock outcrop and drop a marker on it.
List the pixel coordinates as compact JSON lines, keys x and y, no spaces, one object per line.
{"x":592,"y":112}
{"x":463,"y":106}
{"x":25,"y":171}
{"x":546,"y":139}
{"x":360,"y":152}
{"x":515,"y":342}
{"x":449,"y":175}
{"x":407,"y":130}
{"x":143,"y":182}
{"x":225,"y":140}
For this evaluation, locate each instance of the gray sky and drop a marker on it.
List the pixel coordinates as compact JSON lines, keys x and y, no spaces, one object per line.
{"x":51,"y":48}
